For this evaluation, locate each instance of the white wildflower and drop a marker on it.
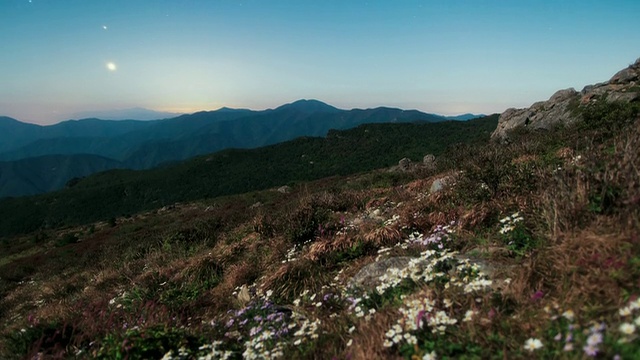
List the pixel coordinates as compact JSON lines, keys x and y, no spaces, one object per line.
{"x":627,"y":329}
{"x":532,"y":344}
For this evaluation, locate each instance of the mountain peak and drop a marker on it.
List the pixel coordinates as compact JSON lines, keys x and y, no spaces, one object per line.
{"x":308,"y":106}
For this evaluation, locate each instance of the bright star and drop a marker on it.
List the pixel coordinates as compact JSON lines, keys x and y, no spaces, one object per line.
{"x":111,"y":66}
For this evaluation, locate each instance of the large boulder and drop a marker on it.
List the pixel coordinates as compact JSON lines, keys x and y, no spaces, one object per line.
{"x":541,"y":115}
{"x":625,"y":75}
{"x":561,"y":106}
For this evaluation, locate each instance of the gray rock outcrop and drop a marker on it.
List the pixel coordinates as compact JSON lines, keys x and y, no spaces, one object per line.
{"x":404,"y":164}
{"x":562,"y":106}
{"x":369,"y":276}
{"x":429,"y":162}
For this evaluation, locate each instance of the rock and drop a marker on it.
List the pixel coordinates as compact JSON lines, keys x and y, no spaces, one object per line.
{"x":243,"y":295}
{"x":404,"y":164}
{"x":255,"y":205}
{"x":429,"y":162}
{"x":561,"y":106}
{"x":624,"y":76}
{"x":562,"y":95}
{"x":441,"y":183}
{"x":369,"y":276}
{"x":623,"y":96}
{"x":284,"y":189}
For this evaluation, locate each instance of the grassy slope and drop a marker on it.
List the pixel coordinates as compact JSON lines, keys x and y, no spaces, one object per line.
{"x":119,"y":192}
{"x":226,"y":276}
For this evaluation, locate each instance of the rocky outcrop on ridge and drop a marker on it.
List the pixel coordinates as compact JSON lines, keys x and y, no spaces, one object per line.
{"x":560,"y":108}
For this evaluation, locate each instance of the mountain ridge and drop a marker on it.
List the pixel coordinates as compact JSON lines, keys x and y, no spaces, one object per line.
{"x":134,"y":113}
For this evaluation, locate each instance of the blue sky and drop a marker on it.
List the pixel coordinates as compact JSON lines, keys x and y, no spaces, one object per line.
{"x":449,"y":57}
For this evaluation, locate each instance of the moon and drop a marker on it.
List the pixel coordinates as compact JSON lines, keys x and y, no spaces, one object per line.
{"x":111,"y":66}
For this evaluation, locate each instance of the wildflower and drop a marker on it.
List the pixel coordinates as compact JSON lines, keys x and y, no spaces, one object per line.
{"x":537,"y":295}
{"x":430,"y":356}
{"x":350,"y":342}
{"x":637,"y":321}
{"x":468,"y":315}
{"x":558,"y":337}
{"x":594,"y":339}
{"x":492,"y":313}
{"x":625,"y":311}
{"x":598,"y":327}
{"x":627,"y":328}
{"x":590,"y":350}
{"x":568,"y":347}
{"x":569,"y":315}
{"x":532,"y":344}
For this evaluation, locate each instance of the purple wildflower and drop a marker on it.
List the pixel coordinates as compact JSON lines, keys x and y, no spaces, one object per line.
{"x":255,"y":330}
{"x":590,"y":350}
{"x":537,"y":295}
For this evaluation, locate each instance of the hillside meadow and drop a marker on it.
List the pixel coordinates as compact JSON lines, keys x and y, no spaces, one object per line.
{"x":527,"y":249}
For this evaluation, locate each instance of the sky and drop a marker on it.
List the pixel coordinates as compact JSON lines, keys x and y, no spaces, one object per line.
{"x":60,"y":57}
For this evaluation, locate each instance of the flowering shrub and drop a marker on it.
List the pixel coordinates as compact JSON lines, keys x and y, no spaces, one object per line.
{"x":516,"y":235}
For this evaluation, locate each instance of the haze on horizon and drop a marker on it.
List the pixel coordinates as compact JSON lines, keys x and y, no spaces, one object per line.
{"x":451,"y":57}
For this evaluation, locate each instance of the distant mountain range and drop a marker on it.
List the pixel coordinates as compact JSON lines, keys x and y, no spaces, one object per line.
{"x":136,"y":113}
{"x":136,"y":144}
{"x":465,"y":117}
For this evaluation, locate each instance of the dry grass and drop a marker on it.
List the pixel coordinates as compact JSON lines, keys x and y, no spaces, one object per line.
{"x":366,"y":340}
{"x":587,"y":267}
{"x":289,"y":280}
{"x":383,"y":236}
